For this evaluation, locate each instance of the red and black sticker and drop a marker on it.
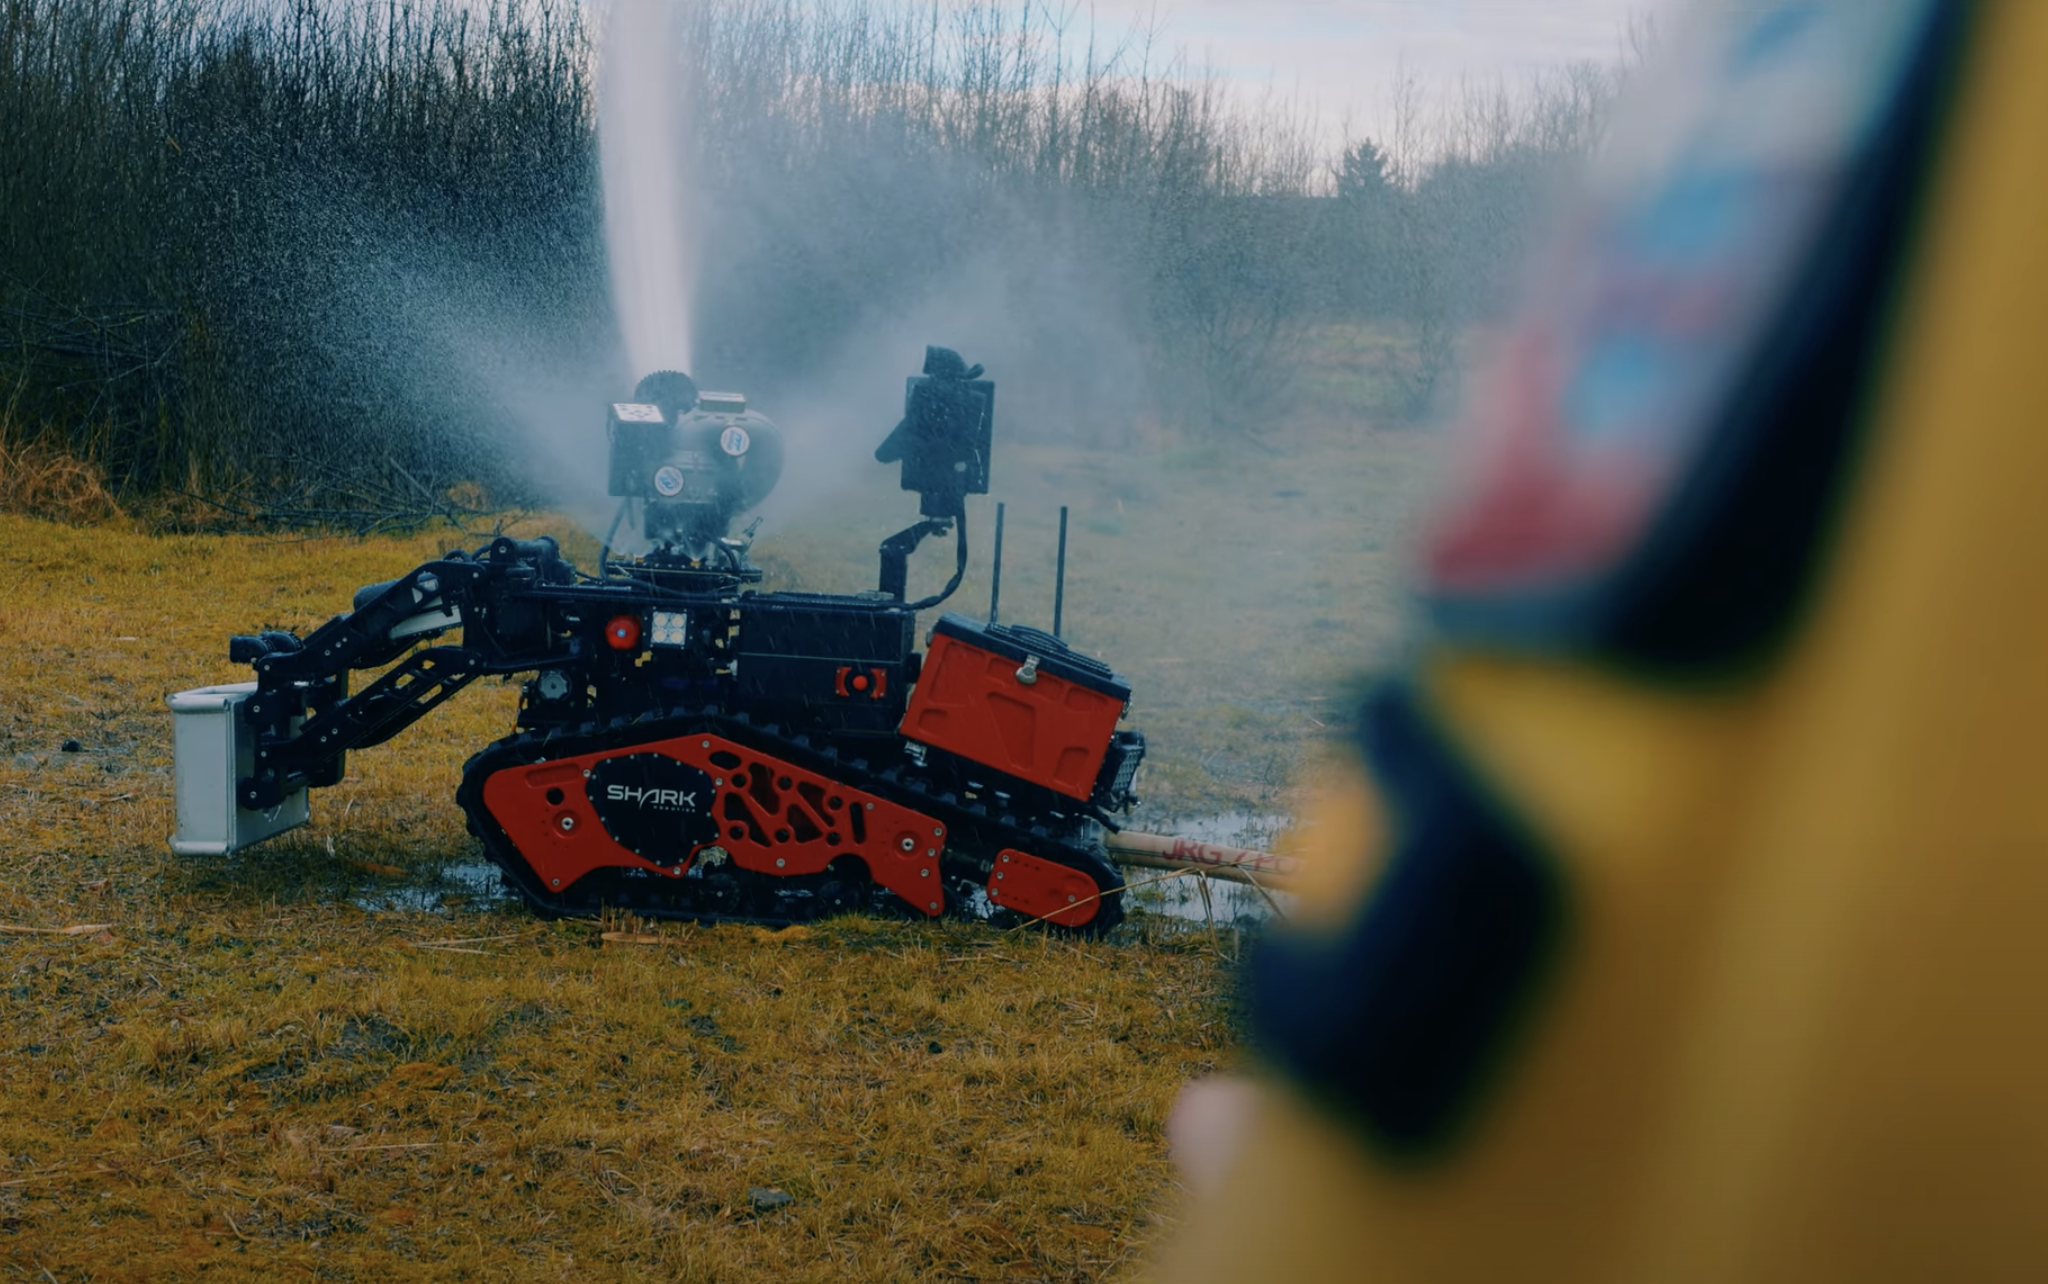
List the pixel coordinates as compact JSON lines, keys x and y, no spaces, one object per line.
{"x":1714,"y":295}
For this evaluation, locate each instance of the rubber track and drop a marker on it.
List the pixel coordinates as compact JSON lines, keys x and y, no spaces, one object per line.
{"x":974,"y":835}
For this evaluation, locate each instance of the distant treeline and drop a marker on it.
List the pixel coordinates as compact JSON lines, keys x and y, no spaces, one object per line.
{"x":284,"y":255}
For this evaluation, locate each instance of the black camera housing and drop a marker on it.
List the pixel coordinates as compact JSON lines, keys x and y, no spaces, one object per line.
{"x":947,"y":432}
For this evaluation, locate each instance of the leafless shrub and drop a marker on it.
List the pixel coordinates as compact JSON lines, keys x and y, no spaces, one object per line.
{"x":289,"y":252}
{"x":1465,"y":183}
{"x":215,"y":212}
{"x":43,"y":481}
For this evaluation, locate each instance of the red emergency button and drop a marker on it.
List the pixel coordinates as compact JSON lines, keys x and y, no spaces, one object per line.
{"x":874,"y":684}
{"x":623,"y":633}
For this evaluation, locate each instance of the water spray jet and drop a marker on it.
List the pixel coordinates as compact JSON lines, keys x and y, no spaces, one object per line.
{"x":644,"y":137}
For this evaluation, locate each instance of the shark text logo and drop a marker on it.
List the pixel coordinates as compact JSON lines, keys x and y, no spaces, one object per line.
{"x":665,"y":799}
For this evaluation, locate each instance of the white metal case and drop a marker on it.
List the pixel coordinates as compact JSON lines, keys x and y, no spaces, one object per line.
{"x":211,"y":749}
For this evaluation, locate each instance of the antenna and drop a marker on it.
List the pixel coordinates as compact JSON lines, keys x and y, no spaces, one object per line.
{"x":1059,"y":583}
{"x":995,"y":581}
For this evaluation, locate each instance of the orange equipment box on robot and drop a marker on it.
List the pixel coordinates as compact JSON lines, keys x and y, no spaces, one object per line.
{"x":1019,"y":700}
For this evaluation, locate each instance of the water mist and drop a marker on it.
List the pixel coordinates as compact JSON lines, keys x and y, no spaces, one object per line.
{"x":644,"y":136}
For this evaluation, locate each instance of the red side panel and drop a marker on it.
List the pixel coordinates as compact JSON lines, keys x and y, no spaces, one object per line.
{"x":544,"y":810}
{"x":780,"y":819}
{"x":1041,"y":889}
{"x":773,"y":818}
{"x":1050,"y":732}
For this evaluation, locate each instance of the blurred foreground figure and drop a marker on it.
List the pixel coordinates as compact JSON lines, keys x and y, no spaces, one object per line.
{"x":1688,"y":917}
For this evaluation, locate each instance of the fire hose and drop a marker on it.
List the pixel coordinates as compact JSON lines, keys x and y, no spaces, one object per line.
{"x":1232,"y":864}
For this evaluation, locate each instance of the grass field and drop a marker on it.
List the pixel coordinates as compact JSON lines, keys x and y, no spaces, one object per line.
{"x":248,"y":1071}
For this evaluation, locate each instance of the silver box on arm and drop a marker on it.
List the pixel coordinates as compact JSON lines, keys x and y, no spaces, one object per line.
{"x":212,"y":748}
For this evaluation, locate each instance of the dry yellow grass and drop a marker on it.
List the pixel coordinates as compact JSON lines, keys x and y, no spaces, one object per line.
{"x":249,"y":1074}
{"x":49,"y":483}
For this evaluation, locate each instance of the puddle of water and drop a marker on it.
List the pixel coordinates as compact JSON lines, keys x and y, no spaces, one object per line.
{"x":1229,"y":904}
{"x":468,"y":882}
{"x":1253,"y":829}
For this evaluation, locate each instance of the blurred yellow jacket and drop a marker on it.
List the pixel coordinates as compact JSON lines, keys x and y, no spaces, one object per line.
{"x":1797,"y":1028}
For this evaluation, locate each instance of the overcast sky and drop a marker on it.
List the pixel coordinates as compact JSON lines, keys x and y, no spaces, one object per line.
{"x":1344,"y":54}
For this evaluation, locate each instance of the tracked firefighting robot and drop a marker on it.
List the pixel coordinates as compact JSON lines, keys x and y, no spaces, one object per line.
{"x":1684,"y":918}
{"x":688,"y":746}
